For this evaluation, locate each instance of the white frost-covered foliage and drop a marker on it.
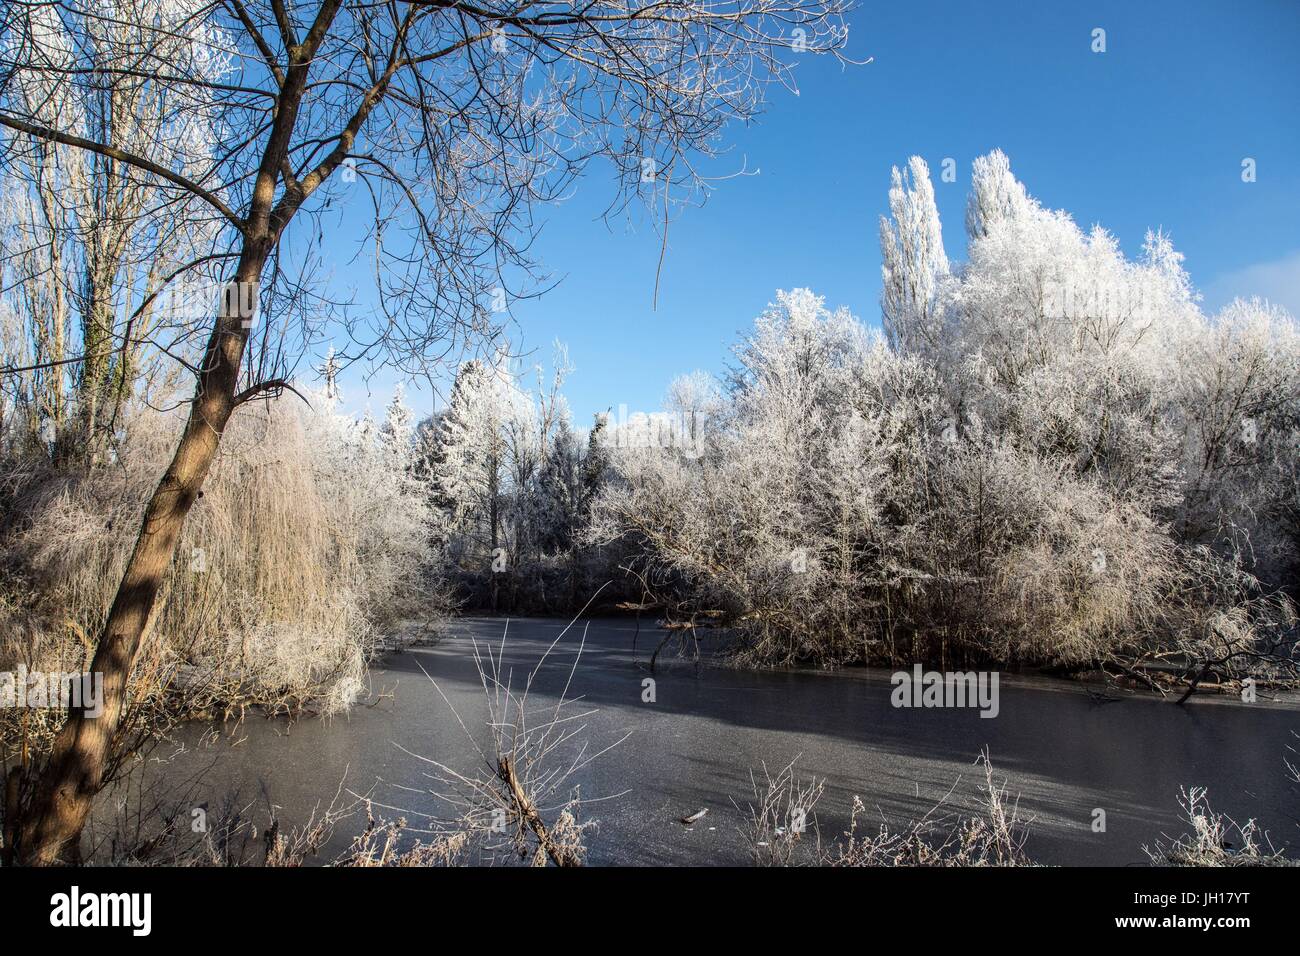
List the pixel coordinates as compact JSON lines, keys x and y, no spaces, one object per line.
{"x":372,"y":488}
{"x":995,"y":194}
{"x":1051,"y":455}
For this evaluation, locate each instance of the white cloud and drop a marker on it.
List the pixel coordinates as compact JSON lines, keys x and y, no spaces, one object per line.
{"x":1278,"y":281}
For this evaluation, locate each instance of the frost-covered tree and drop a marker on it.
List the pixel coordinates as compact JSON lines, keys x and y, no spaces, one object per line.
{"x":329,"y":373}
{"x":913,"y":265}
{"x":467,"y":475}
{"x":562,"y":490}
{"x":1239,"y":416}
{"x":565,"y":488}
{"x":396,"y":431}
{"x":88,"y":241}
{"x":995,"y":194}
{"x":514,"y":483}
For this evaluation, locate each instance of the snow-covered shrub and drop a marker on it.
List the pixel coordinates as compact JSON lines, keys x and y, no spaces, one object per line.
{"x":777,"y":520}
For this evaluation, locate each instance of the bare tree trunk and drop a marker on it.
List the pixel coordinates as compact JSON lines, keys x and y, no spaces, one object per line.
{"x":51,"y":825}
{"x":493,"y":519}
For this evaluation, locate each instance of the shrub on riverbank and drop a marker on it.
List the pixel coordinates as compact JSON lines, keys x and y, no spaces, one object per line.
{"x":311,"y":536}
{"x":1214,"y":839}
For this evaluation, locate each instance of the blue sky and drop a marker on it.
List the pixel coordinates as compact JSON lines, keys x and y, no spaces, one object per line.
{"x":1150,"y":133}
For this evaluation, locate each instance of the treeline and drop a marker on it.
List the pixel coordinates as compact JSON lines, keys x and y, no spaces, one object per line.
{"x":513,"y":485}
{"x":1050,"y":455}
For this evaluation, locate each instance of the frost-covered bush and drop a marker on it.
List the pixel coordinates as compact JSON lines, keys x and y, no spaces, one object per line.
{"x":311,"y":536}
{"x":839,"y":513}
{"x":1214,"y":839}
{"x":778,"y":520}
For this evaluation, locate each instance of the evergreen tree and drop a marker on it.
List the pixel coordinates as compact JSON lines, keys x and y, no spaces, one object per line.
{"x":395,"y":433}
